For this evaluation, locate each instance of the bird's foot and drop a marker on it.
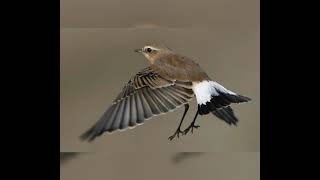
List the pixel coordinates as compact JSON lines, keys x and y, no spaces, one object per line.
{"x":192,"y":125}
{"x":177,"y":133}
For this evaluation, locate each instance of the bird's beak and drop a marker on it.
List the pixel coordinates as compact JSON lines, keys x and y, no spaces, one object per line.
{"x":138,"y":50}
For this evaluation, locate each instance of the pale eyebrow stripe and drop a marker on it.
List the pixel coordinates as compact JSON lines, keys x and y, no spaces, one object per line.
{"x":151,"y":47}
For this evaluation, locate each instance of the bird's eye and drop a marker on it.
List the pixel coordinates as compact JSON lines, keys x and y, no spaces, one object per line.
{"x":148,"y":50}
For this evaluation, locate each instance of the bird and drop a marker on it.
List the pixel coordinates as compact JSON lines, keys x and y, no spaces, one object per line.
{"x":170,"y":81}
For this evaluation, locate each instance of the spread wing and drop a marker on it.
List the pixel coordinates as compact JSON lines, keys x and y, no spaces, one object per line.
{"x":145,"y":95}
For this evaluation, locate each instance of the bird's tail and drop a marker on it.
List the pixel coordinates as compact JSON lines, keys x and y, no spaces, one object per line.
{"x":220,"y":101}
{"x":214,"y":98}
{"x":226,"y":114}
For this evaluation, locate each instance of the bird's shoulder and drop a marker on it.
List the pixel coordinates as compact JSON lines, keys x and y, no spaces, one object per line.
{"x":147,"y":77}
{"x":151,"y":76}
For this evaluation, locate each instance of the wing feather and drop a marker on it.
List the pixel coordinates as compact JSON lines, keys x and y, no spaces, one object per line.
{"x":146,"y":94}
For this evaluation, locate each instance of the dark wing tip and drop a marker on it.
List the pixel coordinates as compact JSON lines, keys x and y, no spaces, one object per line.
{"x":89,"y":135}
{"x":244,"y":98}
{"x":226,"y":114}
{"x":234,"y":98}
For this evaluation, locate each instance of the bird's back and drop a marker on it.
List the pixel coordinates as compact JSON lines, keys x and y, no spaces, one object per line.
{"x":175,"y":66}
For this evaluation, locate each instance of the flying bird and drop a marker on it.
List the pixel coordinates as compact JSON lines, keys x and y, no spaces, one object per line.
{"x":171,"y":81}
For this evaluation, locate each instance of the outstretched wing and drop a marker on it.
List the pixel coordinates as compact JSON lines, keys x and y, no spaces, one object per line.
{"x":145,"y":95}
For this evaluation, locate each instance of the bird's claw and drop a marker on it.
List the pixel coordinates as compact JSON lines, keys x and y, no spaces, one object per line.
{"x":177,"y":133}
{"x":190,"y":127}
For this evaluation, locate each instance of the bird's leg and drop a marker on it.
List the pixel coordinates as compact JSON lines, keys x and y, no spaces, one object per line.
{"x":178,"y":131}
{"x":192,"y":125}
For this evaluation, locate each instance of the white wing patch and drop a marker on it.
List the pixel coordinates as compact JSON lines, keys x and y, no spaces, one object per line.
{"x":205,"y":89}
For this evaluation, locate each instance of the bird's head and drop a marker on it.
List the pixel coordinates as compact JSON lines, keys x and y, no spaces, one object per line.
{"x":153,"y":52}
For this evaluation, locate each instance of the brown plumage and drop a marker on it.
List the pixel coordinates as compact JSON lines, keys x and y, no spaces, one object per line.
{"x":168,"y":83}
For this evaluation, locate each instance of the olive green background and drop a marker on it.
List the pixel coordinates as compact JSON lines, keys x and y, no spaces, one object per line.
{"x":97,"y":39}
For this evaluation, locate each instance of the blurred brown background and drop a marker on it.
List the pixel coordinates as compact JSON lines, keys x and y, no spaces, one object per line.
{"x":97,"y":59}
{"x":159,"y":166}
{"x":165,"y":13}
{"x":96,"y":63}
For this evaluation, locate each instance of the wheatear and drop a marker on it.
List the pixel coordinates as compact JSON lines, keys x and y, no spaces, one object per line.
{"x":172,"y":80}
